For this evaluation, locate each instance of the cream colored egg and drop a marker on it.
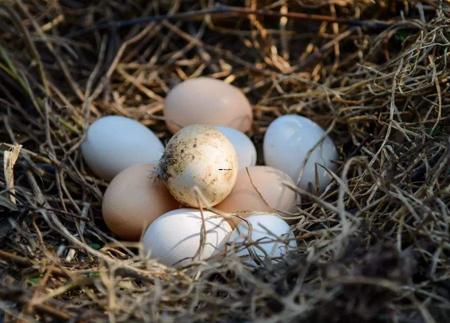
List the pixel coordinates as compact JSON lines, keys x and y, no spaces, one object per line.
{"x":133,"y":199}
{"x":208,"y":101}
{"x":175,"y":238}
{"x":199,"y":166}
{"x":269,"y":192}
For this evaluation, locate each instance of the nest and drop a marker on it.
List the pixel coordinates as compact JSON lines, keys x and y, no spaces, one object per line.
{"x":373,"y":247}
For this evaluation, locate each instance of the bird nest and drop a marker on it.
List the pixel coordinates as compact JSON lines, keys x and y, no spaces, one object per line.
{"x":372,"y":247}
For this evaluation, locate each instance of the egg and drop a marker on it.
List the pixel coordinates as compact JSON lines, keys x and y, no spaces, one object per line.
{"x":133,"y":199}
{"x":199,"y":166}
{"x":246,"y":151}
{"x":287,"y":143}
{"x":270,"y":183}
{"x":114,"y":143}
{"x":262,"y":236}
{"x":208,"y":101}
{"x":174,"y":239}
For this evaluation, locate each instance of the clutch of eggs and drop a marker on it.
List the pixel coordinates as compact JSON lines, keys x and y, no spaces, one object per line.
{"x":208,"y":162}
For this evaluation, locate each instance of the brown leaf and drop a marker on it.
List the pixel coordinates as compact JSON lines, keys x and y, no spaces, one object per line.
{"x":9,"y":160}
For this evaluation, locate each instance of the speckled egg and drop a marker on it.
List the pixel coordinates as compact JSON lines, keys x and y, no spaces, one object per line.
{"x":199,"y":166}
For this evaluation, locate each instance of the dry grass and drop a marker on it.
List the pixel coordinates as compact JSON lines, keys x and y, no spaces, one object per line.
{"x":374,"y":247}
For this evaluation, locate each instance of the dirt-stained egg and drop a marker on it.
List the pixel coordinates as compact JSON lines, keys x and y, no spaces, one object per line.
{"x":199,"y":166}
{"x":208,"y":101}
{"x":133,"y":200}
{"x":114,"y":143}
{"x":183,"y":235}
{"x":260,"y":188}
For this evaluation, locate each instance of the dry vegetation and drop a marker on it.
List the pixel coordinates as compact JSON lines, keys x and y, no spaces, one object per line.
{"x":374,"y":247}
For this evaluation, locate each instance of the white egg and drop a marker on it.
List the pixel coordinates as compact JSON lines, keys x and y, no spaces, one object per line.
{"x":199,"y":166}
{"x":287,"y":143}
{"x":174,"y":239}
{"x":262,"y":236}
{"x":244,"y":147}
{"x":114,"y":143}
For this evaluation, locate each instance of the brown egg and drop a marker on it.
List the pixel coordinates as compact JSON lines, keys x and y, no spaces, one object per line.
{"x":207,"y":101}
{"x":134,"y":199}
{"x":269,"y":183}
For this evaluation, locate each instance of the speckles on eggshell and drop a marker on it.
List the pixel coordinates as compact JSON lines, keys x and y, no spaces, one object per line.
{"x":194,"y":157}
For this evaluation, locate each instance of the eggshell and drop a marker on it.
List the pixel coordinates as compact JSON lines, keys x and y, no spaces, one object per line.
{"x":269,"y":182}
{"x":286,"y":145}
{"x":134,"y":199}
{"x":244,"y":147}
{"x":114,"y":143}
{"x":208,"y":101}
{"x":262,"y":236}
{"x":199,"y":166}
{"x":174,"y":239}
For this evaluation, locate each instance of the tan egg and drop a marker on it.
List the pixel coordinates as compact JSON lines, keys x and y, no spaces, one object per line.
{"x":207,"y":101}
{"x":133,"y":200}
{"x":269,"y":183}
